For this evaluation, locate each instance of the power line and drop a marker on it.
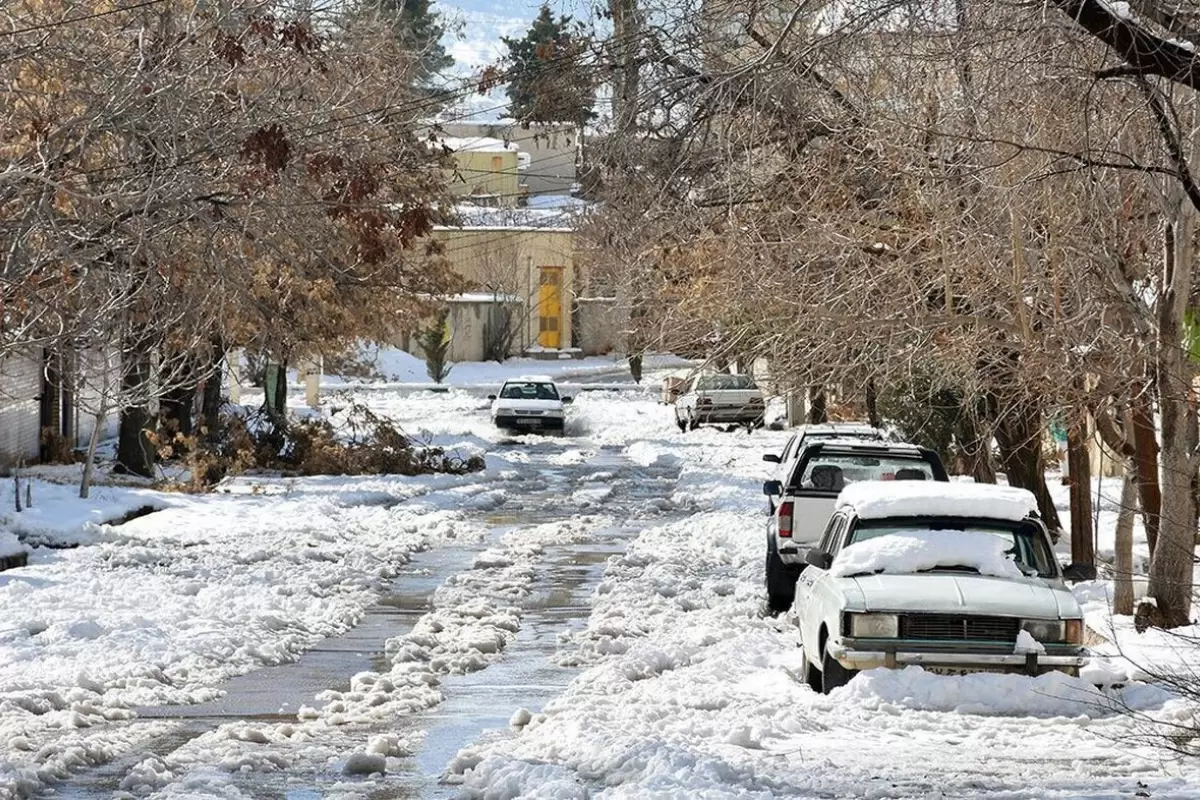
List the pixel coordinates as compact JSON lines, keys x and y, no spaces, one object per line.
{"x":81,"y":18}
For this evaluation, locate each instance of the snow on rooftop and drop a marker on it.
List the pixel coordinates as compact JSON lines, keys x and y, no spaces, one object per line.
{"x":483,"y":297}
{"x":880,"y":499}
{"x":908,"y":553}
{"x":475,"y":144}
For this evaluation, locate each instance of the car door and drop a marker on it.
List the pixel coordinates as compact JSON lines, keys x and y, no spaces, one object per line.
{"x":809,"y":609}
{"x":811,"y":508}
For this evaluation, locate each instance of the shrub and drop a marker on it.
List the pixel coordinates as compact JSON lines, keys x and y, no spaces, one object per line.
{"x":435,"y":344}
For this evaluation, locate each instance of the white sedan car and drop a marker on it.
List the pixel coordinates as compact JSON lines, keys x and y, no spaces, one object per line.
{"x":953,"y":577}
{"x":528,"y":404}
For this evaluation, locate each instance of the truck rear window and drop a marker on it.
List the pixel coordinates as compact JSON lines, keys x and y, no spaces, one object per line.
{"x":716,"y":383}
{"x":832,"y":472}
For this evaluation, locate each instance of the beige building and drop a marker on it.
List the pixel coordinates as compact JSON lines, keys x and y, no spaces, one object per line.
{"x":531,"y":269}
{"x":486,"y":170}
{"x":549,"y":152}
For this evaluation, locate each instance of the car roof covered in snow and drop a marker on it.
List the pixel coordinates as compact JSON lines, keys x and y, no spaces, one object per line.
{"x":531,"y":379}
{"x":857,"y":444}
{"x":841,"y":427}
{"x":885,"y":499}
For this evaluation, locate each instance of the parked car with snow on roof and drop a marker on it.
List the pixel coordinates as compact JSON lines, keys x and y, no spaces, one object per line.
{"x":951,"y":577}
{"x":720,"y":399}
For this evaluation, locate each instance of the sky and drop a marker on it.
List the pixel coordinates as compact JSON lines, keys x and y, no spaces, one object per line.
{"x":483,"y":22}
{"x":474,"y":30}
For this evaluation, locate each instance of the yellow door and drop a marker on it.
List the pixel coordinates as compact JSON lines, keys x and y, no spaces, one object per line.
{"x":550,"y":307}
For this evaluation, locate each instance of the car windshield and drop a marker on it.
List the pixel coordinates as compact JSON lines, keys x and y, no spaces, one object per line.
{"x":831,"y":472}
{"x":529,"y":391}
{"x":1023,"y":541}
{"x":718,"y":382}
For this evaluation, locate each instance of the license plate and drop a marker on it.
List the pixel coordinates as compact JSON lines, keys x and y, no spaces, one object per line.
{"x":529,"y":421}
{"x":960,"y":670}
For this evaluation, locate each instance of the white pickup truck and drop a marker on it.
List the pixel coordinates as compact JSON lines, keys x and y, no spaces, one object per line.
{"x":806,"y":499}
{"x":720,"y":399}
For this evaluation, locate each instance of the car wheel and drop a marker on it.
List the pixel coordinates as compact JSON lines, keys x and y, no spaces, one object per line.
{"x":833,"y":674}
{"x":781,"y":584}
{"x":810,"y":675}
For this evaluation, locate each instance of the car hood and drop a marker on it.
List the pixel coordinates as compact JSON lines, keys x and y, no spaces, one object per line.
{"x":528,"y":405}
{"x":962,"y":594}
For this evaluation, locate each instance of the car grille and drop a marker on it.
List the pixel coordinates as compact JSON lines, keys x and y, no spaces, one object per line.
{"x":959,"y":627}
{"x":529,"y":413}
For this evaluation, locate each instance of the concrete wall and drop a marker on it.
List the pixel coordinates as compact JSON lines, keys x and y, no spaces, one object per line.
{"x":20,"y":407}
{"x":552,"y":151}
{"x":508,"y":260}
{"x":603,"y":322}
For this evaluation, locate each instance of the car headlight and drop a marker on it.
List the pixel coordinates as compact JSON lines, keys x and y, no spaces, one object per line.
{"x":553,"y":412}
{"x":1045,"y":630}
{"x":502,"y":410}
{"x":874,"y":626}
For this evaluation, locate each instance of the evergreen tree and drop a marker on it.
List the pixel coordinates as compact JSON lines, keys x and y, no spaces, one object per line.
{"x":420,"y":30}
{"x":549,"y":83}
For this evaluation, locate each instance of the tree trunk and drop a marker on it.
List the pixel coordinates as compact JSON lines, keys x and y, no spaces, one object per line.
{"x":276,"y":399}
{"x":1145,"y":445}
{"x":135,"y":451}
{"x":177,"y":404}
{"x":1019,"y":434}
{"x":872,"y":400}
{"x":1123,"y":547}
{"x":1083,"y":547}
{"x":51,"y":410}
{"x":975,"y":444}
{"x":1172,"y":563}
{"x":818,"y":410}
{"x":89,"y":466}
{"x":211,"y":400}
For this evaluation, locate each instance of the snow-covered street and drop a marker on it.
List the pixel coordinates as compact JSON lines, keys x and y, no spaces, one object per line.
{"x":584,"y":618}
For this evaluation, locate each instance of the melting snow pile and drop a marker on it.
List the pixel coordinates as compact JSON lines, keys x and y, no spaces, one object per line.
{"x":906,"y":553}
{"x":984,"y":694}
{"x":886,"y":499}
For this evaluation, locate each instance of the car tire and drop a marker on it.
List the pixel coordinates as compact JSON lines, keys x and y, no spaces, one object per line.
{"x":833,"y":674}
{"x":781,"y":584}
{"x":810,"y":675}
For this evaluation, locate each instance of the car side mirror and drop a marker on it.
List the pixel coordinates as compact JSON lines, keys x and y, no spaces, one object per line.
{"x":1079,"y":572}
{"x":566,"y":400}
{"x":771,"y":458}
{"x":771,"y":488}
{"x":491,"y":397}
{"x":818,"y":558}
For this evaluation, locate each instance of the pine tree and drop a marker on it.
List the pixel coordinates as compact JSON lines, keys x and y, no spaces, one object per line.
{"x":420,"y":30}
{"x":549,"y":83}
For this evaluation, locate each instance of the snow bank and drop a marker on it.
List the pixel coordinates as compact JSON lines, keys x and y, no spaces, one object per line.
{"x":884,"y":499}
{"x":984,"y":694}
{"x":906,"y":553}
{"x":60,"y":518}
